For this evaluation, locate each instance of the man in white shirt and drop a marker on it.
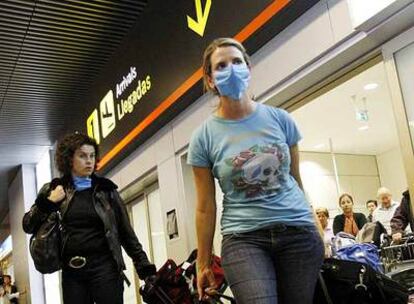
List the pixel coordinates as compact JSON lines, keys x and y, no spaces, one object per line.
{"x":386,"y":208}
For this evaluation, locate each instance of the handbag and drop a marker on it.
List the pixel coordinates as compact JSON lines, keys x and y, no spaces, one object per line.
{"x":45,"y":244}
{"x":344,"y":282}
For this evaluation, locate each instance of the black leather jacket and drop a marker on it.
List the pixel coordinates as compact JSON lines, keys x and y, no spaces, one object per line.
{"x":403,"y":215}
{"x":109,"y":207}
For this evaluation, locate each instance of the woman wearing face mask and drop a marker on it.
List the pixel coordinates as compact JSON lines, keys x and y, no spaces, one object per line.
{"x":95,"y":226}
{"x":271,"y":249}
{"x":349,"y":221}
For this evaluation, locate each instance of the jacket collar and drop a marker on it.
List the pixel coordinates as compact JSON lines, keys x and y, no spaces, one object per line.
{"x":102,"y":183}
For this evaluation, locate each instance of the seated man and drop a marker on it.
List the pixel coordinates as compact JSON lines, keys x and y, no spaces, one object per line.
{"x":323,"y":216}
{"x":402,"y":217}
{"x":386,"y":208}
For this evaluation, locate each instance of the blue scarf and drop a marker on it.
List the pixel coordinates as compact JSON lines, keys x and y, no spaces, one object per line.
{"x":82,"y":183}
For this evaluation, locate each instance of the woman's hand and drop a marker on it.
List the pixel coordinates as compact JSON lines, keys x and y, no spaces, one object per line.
{"x":57,"y":194}
{"x":205,"y":281}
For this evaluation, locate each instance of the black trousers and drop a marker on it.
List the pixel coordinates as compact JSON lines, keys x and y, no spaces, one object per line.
{"x":97,"y":282}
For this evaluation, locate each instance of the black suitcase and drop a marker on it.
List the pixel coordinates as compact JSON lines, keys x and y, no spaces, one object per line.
{"x":345,"y":282}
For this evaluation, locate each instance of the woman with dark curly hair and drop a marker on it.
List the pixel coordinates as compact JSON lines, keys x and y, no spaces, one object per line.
{"x":95,"y":226}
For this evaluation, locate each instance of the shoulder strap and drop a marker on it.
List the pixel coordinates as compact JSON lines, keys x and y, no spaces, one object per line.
{"x":65,"y":204}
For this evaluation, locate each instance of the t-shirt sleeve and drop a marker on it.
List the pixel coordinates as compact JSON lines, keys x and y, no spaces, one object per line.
{"x":197,"y":152}
{"x":289,"y":127}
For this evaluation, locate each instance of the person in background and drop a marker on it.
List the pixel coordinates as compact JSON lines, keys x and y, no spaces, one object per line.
{"x":95,"y":224}
{"x":323,"y":216}
{"x":270,"y":239}
{"x":8,"y":291}
{"x":371,"y":206}
{"x":402,"y":218}
{"x":386,"y":208}
{"x":349,"y":221}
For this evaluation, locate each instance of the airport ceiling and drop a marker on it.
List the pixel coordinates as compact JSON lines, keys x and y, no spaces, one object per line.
{"x":50,"y":53}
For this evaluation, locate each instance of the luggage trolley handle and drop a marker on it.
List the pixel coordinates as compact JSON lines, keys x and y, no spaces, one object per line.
{"x":230,"y":299}
{"x":151,"y":290}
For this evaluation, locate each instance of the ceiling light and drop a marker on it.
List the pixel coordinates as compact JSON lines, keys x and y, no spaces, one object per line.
{"x":319,"y":146}
{"x":363,"y":128}
{"x":370,"y":86}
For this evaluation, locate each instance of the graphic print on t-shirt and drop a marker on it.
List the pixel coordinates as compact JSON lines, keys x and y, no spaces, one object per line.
{"x":259,"y":170}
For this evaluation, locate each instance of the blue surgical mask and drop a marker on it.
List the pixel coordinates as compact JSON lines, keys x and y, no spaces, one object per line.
{"x":82,"y":183}
{"x":232,"y":81}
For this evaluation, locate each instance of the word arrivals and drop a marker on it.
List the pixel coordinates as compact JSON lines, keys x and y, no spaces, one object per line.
{"x":103,"y":121}
{"x":127,"y":106}
{"x":126,"y":81}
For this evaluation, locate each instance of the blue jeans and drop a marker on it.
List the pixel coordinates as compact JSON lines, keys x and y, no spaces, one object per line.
{"x":277,"y":265}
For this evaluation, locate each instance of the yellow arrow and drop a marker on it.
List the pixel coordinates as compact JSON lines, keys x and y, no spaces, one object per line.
{"x":200,"y":25}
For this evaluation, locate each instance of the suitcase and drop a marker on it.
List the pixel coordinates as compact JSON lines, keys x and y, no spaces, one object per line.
{"x":176,"y":284}
{"x":344,"y":282}
{"x":169,"y":286}
{"x":154,"y":294}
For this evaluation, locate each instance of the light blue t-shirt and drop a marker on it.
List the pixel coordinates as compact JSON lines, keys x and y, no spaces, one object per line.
{"x":250,"y":158}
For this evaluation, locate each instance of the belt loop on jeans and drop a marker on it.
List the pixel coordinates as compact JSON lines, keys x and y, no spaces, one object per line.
{"x":77,"y":262}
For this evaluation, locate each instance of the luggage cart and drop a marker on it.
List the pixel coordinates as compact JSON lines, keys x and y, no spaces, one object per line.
{"x":398,"y":262}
